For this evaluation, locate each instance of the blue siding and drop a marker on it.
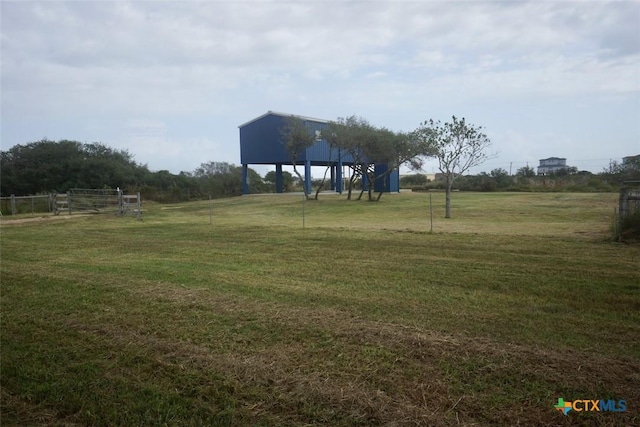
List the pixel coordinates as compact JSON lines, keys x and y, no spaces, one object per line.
{"x":320,"y":153}
{"x":260,"y":144}
{"x":390,"y":183}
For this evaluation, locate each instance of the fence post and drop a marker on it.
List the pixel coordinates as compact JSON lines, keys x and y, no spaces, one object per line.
{"x":13,"y":204}
{"x":69,"y":201}
{"x":431,"y":213}
{"x":622,"y":203}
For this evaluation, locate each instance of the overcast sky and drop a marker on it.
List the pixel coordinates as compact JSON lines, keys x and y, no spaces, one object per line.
{"x":171,"y":81}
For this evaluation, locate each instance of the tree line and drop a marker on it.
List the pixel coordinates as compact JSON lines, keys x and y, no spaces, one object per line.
{"x":525,"y":179}
{"x":56,"y":166}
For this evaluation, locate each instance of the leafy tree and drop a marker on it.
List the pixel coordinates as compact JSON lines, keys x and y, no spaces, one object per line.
{"x":219,"y":179}
{"x":296,"y":138}
{"x":458,"y":146}
{"x":413,"y":180}
{"x":498,"y":173}
{"x":369,"y":145}
{"x":618,"y":172}
{"x":270,"y":177}
{"x":287,"y":179}
{"x":222,"y":179}
{"x":256,"y":184}
{"x":526,"y":172}
{"x":481,"y":182}
{"x":46,"y":166}
{"x":214,"y":168}
{"x":351,"y":135}
{"x":501,"y":177}
{"x":377,"y":147}
{"x":392,"y":149}
{"x":41,"y":166}
{"x":163,"y":186}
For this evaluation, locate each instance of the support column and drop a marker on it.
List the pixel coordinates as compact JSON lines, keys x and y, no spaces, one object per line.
{"x":339,"y":178}
{"x":381,"y":184}
{"x":245,"y":179}
{"x":332,"y":185}
{"x":279,"y":186}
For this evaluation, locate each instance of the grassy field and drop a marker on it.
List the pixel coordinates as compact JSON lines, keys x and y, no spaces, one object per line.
{"x":362,"y":317}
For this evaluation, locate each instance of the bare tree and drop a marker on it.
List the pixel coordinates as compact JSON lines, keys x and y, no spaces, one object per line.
{"x":458,"y":146}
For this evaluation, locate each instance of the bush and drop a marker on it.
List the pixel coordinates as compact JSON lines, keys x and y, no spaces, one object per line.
{"x":628,"y":228}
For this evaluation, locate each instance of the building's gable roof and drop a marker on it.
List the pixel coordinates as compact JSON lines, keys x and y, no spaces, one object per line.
{"x":275,"y":113}
{"x":553,"y":158}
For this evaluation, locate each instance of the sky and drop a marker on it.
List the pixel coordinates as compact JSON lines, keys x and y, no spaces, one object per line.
{"x":171,"y":81}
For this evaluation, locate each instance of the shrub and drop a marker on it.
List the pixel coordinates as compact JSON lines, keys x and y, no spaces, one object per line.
{"x":628,"y":228}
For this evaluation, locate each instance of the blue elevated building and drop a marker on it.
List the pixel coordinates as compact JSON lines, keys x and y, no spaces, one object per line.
{"x":260,"y":144}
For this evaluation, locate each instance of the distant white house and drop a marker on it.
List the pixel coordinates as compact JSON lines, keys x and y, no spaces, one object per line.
{"x":631,"y":162}
{"x":551,"y":165}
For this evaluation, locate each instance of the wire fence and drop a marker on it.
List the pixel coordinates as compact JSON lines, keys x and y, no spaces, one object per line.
{"x":75,"y":200}
{"x":15,"y":205}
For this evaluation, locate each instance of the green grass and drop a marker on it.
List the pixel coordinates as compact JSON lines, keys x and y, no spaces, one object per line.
{"x":362,"y":317}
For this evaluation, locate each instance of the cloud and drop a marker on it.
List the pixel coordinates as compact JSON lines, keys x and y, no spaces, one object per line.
{"x":219,"y":46}
{"x":227,"y":61}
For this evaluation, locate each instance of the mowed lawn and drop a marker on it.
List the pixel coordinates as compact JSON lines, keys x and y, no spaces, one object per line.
{"x":232,"y":313}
